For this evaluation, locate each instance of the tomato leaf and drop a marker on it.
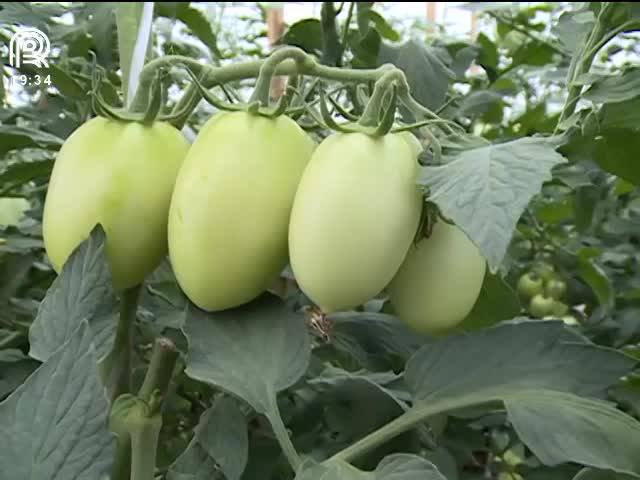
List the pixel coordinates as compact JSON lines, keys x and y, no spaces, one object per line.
{"x":485,"y":190}
{"x":600,"y":435}
{"x":220,"y":439}
{"x":399,"y":466}
{"x":56,"y":422}
{"x":593,"y":474}
{"x":83,"y":291}
{"x":253,"y":351}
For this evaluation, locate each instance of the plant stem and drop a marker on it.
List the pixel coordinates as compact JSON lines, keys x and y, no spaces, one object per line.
{"x":118,"y":364}
{"x":581,"y":64}
{"x":158,"y":377}
{"x":144,"y":443}
{"x":282,"y":435}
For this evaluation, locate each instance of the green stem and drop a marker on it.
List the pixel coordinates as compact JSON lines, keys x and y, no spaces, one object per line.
{"x":581,"y":64}
{"x":212,"y":75}
{"x":282,"y":435}
{"x":119,"y":361}
{"x":371,"y":115}
{"x":145,"y":432}
{"x":158,"y":377}
{"x":268,"y":68}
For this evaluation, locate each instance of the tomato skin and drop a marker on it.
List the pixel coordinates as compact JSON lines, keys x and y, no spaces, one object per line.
{"x":231,"y":205}
{"x":439,"y":281}
{"x":121,"y":175}
{"x":541,"y":306}
{"x":355,"y":214}
{"x":530,"y":285}
{"x":555,"y":288}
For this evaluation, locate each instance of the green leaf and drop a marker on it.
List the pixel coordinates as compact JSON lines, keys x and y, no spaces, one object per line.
{"x":15,"y":367}
{"x":66,"y":84}
{"x":572,"y":29}
{"x":18,"y":174}
{"x":593,"y":474}
{"x":305,"y":34}
{"x":380,"y":24}
{"x":377,"y":341}
{"x":518,"y":356}
{"x":485,"y":190}
{"x":585,"y":202}
{"x":13,"y":137}
{"x":497,"y":302}
{"x":618,"y":152}
{"x":220,"y":440}
{"x":597,"y":279}
{"x":615,"y":88}
{"x":585,"y":431}
{"x":199,"y":25}
{"x":253,"y":351}
{"x":354,"y":405}
{"x":83,"y":291}
{"x":488,"y":57}
{"x":394,"y":467}
{"x":427,"y":75}
{"x":57,"y":420}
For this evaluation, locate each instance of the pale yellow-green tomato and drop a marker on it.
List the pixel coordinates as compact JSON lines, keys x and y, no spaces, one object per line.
{"x":355,"y":215}
{"x":121,"y":175}
{"x":231,"y":206}
{"x":439,"y":281}
{"x":12,"y":210}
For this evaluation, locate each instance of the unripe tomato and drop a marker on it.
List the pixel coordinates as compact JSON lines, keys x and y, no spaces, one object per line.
{"x":555,"y":288}
{"x":121,"y":175}
{"x":439,"y":281}
{"x":541,"y":306}
{"x":545,"y":271}
{"x":559,"y":308}
{"x":355,"y":214}
{"x":231,"y":205}
{"x":530,"y":285}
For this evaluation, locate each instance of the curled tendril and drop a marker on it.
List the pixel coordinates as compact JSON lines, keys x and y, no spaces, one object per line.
{"x":389,"y":115}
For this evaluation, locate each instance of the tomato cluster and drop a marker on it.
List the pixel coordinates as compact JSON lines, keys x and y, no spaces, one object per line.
{"x":251,"y":194}
{"x":543,"y":291}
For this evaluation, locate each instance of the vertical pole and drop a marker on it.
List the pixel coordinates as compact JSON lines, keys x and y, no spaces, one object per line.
{"x":432,"y":13}
{"x":275,"y":30}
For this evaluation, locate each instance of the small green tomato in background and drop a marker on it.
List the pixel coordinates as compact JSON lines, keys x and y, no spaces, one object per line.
{"x":555,"y":288}
{"x":530,"y":284}
{"x":559,"y":308}
{"x":439,"y":281}
{"x":541,"y":306}
{"x":545,"y":271}
{"x":120,"y":175}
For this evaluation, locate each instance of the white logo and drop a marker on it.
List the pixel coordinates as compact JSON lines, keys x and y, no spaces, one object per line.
{"x":29,"y":46}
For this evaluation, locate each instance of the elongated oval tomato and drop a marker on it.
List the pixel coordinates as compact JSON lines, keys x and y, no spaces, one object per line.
{"x":355,"y":215}
{"x":439,"y":281}
{"x":231,"y":205}
{"x":121,"y":175}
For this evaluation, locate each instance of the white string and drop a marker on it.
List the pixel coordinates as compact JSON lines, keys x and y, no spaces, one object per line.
{"x":140,"y":50}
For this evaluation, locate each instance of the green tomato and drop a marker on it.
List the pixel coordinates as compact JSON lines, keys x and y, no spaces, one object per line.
{"x":555,"y":288}
{"x":121,"y":175}
{"x":559,"y":308}
{"x":12,"y":210}
{"x":354,"y":218}
{"x":541,"y":306}
{"x":230,"y":209}
{"x":530,"y":285}
{"x":545,"y":271}
{"x":439,"y":281}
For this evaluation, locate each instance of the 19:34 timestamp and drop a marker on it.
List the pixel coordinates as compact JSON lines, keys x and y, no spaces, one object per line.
{"x":30,"y":80}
